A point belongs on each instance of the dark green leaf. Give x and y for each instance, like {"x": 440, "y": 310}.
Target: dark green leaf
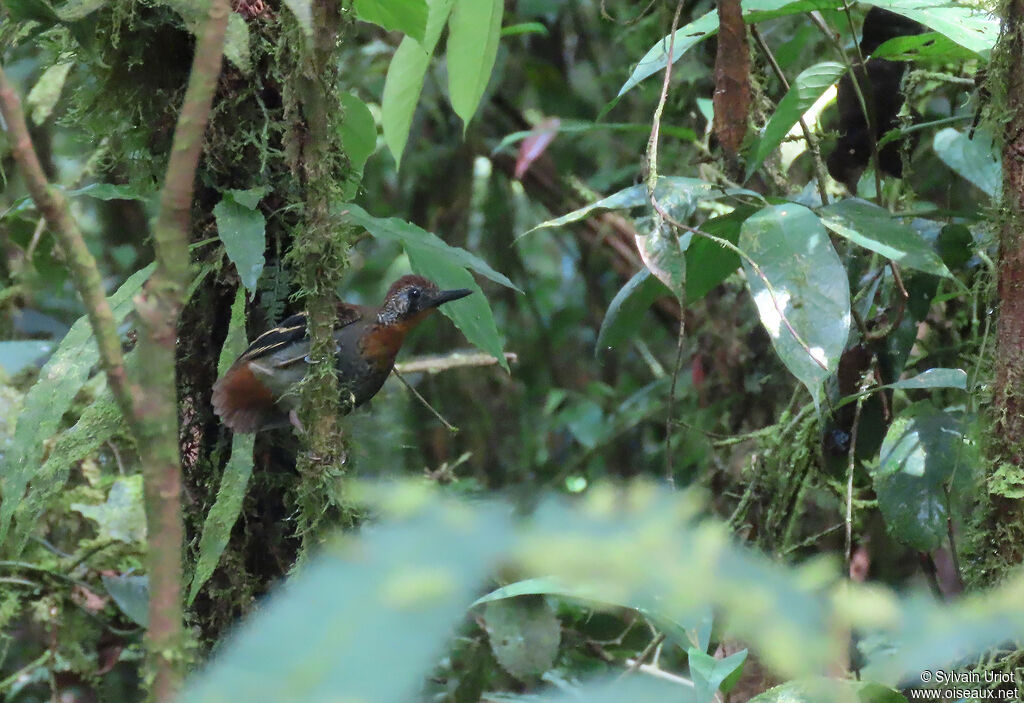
{"x": 875, "y": 229}
{"x": 709, "y": 263}
{"x": 474, "y": 31}
{"x": 810, "y": 85}
{"x": 955, "y": 245}
{"x": 31, "y": 10}
{"x": 809, "y": 290}
{"x": 524, "y": 634}
{"x": 976, "y": 159}
{"x": 406, "y": 16}
{"x": 923, "y": 450}
{"x": 242, "y": 229}
{"x": 625, "y": 313}
{"x": 131, "y": 593}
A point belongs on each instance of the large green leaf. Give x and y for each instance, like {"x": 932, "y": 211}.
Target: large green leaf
{"x": 970, "y": 27}
{"x": 874, "y": 228}
{"x": 975, "y": 159}
{"x": 810, "y": 85}
{"x": 923, "y": 454}
{"x": 366, "y": 619}
{"x": 405, "y": 79}
{"x": 625, "y": 313}
{"x": 46, "y": 92}
{"x": 358, "y": 131}
{"x": 51, "y": 396}
{"x": 524, "y": 634}
{"x": 473, "y": 34}
{"x": 243, "y": 230}
{"x": 406, "y": 16}
{"x": 448, "y": 267}
{"x": 930, "y": 46}
{"x": 131, "y": 594}
{"x": 809, "y": 290}
{"x": 235, "y": 479}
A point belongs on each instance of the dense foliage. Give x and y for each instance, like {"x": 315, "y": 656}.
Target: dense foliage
{"x": 714, "y": 422}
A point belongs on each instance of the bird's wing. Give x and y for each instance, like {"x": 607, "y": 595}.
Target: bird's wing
{"x": 293, "y": 330}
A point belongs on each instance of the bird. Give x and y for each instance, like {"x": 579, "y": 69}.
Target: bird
{"x": 257, "y": 391}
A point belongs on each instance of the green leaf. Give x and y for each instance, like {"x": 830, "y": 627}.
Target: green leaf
{"x": 100, "y": 420}
{"x": 110, "y": 191}
{"x": 235, "y": 479}
{"x": 131, "y": 593}
{"x": 15, "y": 356}
{"x": 51, "y": 396}
{"x": 393, "y": 595}
{"x": 303, "y": 12}
{"x": 874, "y": 228}
{"x": 708, "y": 673}
{"x": 524, "y": 634}
{"x": 922, "y": 47}
{"x": 923, "y": 449}
{"x": 976, "y": 159}
{"x": 709, "y": 263}
{"x": 46, "y": 92}
{"x": 971, "y": 28}
{"x": 405, "y": 79}
{"x": 31, "y": 10}
{"x": 955, "y": 245}
{"x": 810, "y": 85}
{"x": 236, "y": 43}
{"x": 447, "y": 267}
{"x": 625, "y": 313}
{"x": 358, "y": 131}
{"x": 225, "y": 511}
{"x": 121, "y": 517}
{"x": 243, "y": 231}
{"x": 74, "y": 10}
{"x": 474, "y": 31}
{"x": 677, "y": 194}
{"x": 406, "y": 16}
{"x": 664, "y": 256}
{"x": 811, "y": 291}
{"x": 514, "y": 30}
{"x": 822, "y": 690}
{"x": 935, "y": 378}
{"x": 655, "y": 60}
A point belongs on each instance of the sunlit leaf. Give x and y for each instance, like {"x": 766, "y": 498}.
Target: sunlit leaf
{"x": 923, "y": 449}
{"x": 121, "y": 517}
{"x": 875, "y": 229}
{"x": 921, "y": 47}
{"x": 302, "y": 10}
{"x": 935, "y": 378}
{"x": 46, "y": 92}
{"x": 474, "y": 31}
{"x": 236, "y": 43}
{"x": 406, "y": 16}
{"x": 809, "y": 290}
{"x": 970, "y": 27}
{"x": 709, "y": 673}
{"x": 810, "y": 85}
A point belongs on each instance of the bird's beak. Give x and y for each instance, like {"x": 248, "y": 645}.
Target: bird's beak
{"x": 447, "y": 296}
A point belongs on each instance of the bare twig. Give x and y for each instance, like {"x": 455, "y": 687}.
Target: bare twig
{"x": 852, "y": 460}
{"x": 458, "y": 360}
{"x": 450, "y": 427}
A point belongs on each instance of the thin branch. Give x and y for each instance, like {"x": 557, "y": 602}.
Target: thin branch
{"x": 84, "y": 271}
{"x": 458, "y": 360}
{"x": 852, "y": 460}
{"x": 652, "y": 182}
{"x": 450, "y": 427}
{"x": 812, "y": 142}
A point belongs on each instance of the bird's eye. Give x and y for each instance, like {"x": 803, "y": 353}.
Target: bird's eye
{"x": 414, "y": 293}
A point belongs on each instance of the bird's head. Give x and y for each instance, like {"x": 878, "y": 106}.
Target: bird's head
{"x": 411, "y": 298}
